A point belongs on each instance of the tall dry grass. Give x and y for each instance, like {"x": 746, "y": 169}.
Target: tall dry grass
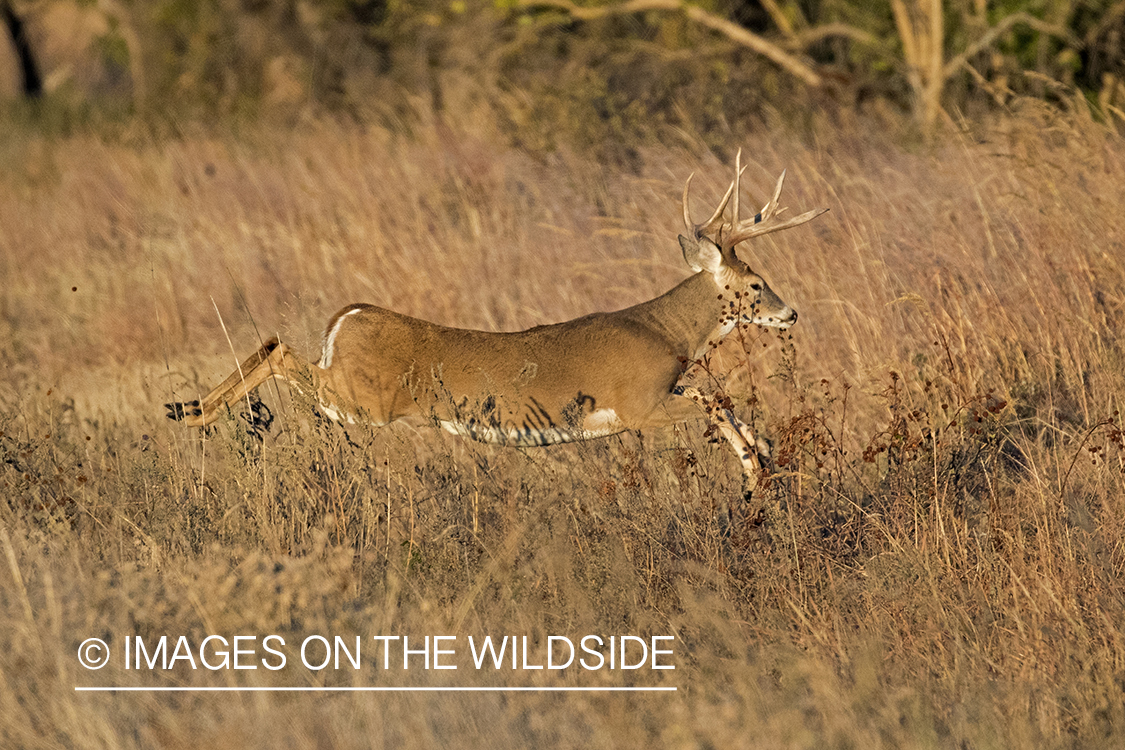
{"x": 934, "y": 562}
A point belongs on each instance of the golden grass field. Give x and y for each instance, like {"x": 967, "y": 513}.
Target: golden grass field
{"x": 936, "y": 562}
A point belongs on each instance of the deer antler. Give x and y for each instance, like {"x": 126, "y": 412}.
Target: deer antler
{"x": 698, "y": 230}
{"x": 764, "y": 222}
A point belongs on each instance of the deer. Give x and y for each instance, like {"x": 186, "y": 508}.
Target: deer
{"x": 586, "y": 378}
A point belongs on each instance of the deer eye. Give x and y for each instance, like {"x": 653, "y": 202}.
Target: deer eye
{"x": 756, "y": 287}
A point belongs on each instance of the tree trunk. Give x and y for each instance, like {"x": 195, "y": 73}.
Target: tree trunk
{"x": 31, "y": 80}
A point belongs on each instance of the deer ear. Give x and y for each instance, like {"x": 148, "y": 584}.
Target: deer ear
{"x": 691, "y": 253}
{"x": 701, "y": 254}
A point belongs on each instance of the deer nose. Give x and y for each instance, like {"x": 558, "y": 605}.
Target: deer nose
{"x": 787, "y": 318}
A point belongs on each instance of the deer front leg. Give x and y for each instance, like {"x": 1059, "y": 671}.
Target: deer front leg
{"x": 687, "y": 403}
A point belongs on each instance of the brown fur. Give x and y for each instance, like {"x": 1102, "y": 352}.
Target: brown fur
{"x": 583, "y": 378}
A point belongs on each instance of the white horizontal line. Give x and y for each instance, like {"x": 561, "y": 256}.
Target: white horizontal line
{"x": 134, "y": 689}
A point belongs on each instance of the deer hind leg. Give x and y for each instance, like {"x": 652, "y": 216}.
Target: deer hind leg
{"x": 272, "y": 360}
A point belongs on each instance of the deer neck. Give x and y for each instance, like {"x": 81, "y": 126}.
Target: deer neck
{"x": 688, "y": 316}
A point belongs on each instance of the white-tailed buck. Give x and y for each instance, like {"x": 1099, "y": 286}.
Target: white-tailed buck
{"x": 589, "y": 377}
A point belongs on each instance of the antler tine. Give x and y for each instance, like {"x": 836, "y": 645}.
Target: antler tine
{"x": 771, "y": 205}
{"x": 757, "y": 230}
{"x": 737, "y": 186}
{"x": 697, "y": 230}
{"x": 763, "y": 223}
{"x": 687, "y": 214}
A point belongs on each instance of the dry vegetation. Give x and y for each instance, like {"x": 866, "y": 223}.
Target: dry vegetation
{"x": 935, "y": 563}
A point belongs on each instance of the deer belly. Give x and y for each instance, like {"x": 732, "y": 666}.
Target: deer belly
{"x": 536, "y": 431}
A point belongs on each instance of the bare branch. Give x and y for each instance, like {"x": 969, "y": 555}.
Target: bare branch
{"x": 809, "y": 37}
{"x": 1111, "y": 17}
{"x": 989, "y": 37}
{"x": 782, "y": 20}
{"x": 906, "y": 33}
{"x": 731, "y": 30}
